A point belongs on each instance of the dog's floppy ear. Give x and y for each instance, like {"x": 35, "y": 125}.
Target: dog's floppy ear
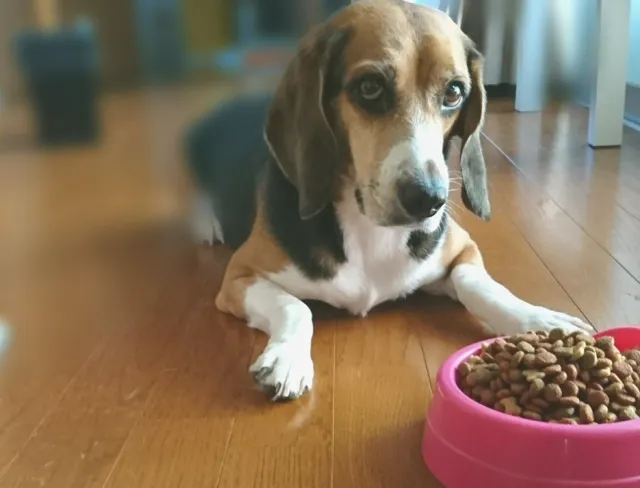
{"x": 475, "y": 194}
{"x": 302, "y": 125}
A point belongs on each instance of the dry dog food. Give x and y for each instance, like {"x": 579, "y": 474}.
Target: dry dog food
{"x": 555, "y": 377}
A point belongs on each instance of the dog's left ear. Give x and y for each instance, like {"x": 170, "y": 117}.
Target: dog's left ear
{"x": 301, "y": 127}
{"x": 475, "y": 194}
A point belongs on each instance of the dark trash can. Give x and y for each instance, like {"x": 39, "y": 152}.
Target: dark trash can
{"x": 61, "y": 71}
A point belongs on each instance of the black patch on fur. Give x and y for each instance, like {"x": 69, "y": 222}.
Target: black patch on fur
{"x": 358, "y": 195}
{"x": 226, "y": 155}
{"x": 311, "y": 244}
{"x": 422, "y": 244}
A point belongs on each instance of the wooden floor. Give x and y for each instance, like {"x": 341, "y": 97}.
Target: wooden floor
{"x": 116, "y": 370}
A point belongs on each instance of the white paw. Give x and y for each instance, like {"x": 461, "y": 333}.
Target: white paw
{"x": 284, "y": 371}
{"x": 540, "y": 318}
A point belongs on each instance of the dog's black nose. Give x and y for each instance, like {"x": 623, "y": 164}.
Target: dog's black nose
{"x": 420, "y": 199}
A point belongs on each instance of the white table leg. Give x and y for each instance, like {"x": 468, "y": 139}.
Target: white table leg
{"x": 531, "y": 56}
{"x": 608, "y": 88}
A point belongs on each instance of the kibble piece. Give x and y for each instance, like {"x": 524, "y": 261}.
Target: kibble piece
{"x": 517, "y": 358}
{"x": 487, "y": 358}
{"x": 633, "y": 390}
{"x": 464, "y": 369}
{"x": 613, "y": 353}
{"x": 526, "y": 347}
{"x": 563, "y": 412}
{"x": 610, "y": 418}
{"x": 553, "y": 370}
{"x": 529, "y": 360}
{"x": 634, "y": 355}
{"x": 515, "y": 375}
{"x": 615, "y": 407}
{"x": 625, "y": 400}
{"x": 560, "y": 378}
{"x": 532, "y": 408}
{"x": 504, "y": 356}
{"x": 540, "y": 403}
{"x": 570, "y": 389}
{"x": 568, "y": 421}
{"x": 557, "y": 335}
{"x": 531, "y": 415}
{"x": 571, "y": 401}
{"x": 605, "y": 342}
{"x": 596, "y": 398}
{"x": 502, "y": 394}
{"x": 585, "y": 376}
{"x": 552, "y": 393}
{"x": 487, "y": 397}
{"x": 581, "y": 386}
{"x": 578, "y": 350}
{"x": 628, "y": 413}
{"x": 572, "y": 371}
{"x": 519, "y": 388}
{"x": 604, "y": 363}
{"x": 532, "y": 375}
{"x": 512, "y": 348}
{"x": 563, "y": 352}
{"x": 587, "y": 339}
{"x": 614, "y": 389}
{"x": 586, "y": 414}
{"x": 589, "y": 360}
{"x": 511, "y": 406}
{"x": 536, "y": 387}
{"x": 601, "y": 373}
{"x": 622, "y": 369}
{"x": 600, "y": 413}
{"x": 545, "y": 358}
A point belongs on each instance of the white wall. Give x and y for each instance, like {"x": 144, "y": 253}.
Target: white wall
{"x": 633, "y": 77}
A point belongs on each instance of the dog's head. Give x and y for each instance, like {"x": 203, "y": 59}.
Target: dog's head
{"x": 374, "y": 95}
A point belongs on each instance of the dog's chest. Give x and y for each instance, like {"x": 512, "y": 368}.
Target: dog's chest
{"x": 379, "y": 268}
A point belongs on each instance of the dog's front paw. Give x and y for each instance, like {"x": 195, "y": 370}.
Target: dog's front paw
{"x": 540, "y": 318}
{"x": 284, "y": 371}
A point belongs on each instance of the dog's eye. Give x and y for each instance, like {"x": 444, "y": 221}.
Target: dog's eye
{"x": 374, "y": 93}
{"x": 370, "y": 89}
{"x": 453, "y": 95}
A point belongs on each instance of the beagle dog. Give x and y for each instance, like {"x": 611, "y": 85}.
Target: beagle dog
{"x": 335, "y": 188}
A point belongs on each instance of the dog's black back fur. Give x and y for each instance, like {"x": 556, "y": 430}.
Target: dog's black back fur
{"x": 226, "y": 153}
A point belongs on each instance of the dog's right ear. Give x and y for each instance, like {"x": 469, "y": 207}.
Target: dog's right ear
{"x": 302, "y": 123}
{"x": 475, "y": 194}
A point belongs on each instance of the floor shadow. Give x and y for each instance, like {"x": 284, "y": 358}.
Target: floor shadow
{"x": 394, "y": 459}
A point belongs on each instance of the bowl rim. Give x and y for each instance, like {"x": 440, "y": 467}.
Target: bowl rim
{"x": 448, "y": 383}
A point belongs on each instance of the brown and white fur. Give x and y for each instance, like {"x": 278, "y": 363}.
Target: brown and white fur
{"x": 349, "y": 202}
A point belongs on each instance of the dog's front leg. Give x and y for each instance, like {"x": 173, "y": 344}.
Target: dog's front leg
{"x": 501, "y": 310}
{"x": 284, "y": 370}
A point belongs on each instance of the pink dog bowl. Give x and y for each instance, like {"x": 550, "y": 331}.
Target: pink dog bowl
{"x": 469, "y": 445}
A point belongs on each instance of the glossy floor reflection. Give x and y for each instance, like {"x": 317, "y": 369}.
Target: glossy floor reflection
{"x": 116, "y": 369}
